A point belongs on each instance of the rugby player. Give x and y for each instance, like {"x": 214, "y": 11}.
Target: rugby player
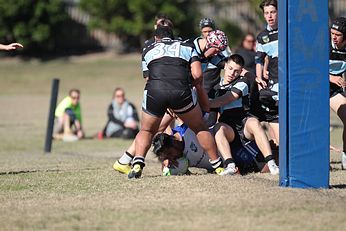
{"x": 171, "y": 63}
{"x": 265, "y": 102}
{"x": 337, "y": 67}
{"x": 181, "y": 150}
{"x": 211, "y": 58}
{"x": 232, "y": 99}
{"x": 214, "y": 42}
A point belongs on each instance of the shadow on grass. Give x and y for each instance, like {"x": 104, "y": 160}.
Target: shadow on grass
{"x": 338, "y": 186}
{"x": 44, "y": 170}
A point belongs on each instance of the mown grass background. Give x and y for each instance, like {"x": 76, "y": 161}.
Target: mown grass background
{"x": 75, "y": 187}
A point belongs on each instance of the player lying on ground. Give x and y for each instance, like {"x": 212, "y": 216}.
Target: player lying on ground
{"x": 181, "y": 150}
{"x": 232, "y": 98}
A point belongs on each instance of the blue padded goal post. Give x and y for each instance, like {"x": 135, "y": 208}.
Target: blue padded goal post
{"x": 304, "y": 93}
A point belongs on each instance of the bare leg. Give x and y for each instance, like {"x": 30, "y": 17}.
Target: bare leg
{"x": 274, "y": 127}
{"x": 269, "y": 131}
{"x": 254, "y": 131}
{"x": 149, "y": 126}
{"x": 122, "y": 164}
{"x": 194, "y": 121}
{"x": 80, "y": 132}
{"x": 66, "y": 121}
{"x": 165, "y": 122}
{"x": 132, "y": 148}
{"x": 224, "y": 135}
{"x": 338, "y": 105}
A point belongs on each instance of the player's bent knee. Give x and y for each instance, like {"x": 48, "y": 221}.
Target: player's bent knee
{"x": 253, "y": 123}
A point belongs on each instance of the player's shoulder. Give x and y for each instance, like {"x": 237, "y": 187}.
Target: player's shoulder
{"x": 148, "y": 46}
{"x": 189, "y": 43}
{"x": 261, "y": 37}
{"x": 243, "y": 79}
{"x": 148, "y": 42}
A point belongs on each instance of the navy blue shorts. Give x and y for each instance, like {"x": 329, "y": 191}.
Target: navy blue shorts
{"x": 71, "y": 115}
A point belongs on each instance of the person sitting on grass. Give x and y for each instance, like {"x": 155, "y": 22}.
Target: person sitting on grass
{"x": 69, "y": 118}
{"x": 122, "y": 118}
{"x": 232, "y": 102}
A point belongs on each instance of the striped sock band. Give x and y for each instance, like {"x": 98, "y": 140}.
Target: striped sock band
{"x": 269, "y": 158}
{"x": 216, "y": 163}
{"x": 138, "y": 160}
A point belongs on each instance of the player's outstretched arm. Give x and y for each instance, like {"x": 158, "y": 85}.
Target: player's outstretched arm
{"x": 10, "y": 47}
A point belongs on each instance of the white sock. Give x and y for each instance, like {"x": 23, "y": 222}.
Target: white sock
{"x": 126, "y": 158}
{"x": 231, "y": 165}
{"x": 343, "y": 160}
{"x": 271, "y": 163}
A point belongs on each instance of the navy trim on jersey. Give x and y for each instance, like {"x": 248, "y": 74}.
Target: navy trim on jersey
{"x": 169, "y": 59}
{"x": 267, "y": 45}
{"x": 337, "y": 60}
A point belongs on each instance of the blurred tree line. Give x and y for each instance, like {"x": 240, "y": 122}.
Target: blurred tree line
{"x": 44, "y": 27}
{"x": 36, "y": 24}
{"x": 41, "y": 25}
{"x": 133, "y": 20}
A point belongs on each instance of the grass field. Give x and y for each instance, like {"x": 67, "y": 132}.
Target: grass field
{"x": 75, "y": 187}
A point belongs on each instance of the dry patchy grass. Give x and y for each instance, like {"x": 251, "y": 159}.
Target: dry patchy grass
{"x": 75, "y": 188}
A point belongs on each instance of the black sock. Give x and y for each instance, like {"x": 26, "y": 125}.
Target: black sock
{"x": 269, "y": 158}
{"x": 138, "y": 160}
{"x": 228, "y": 161}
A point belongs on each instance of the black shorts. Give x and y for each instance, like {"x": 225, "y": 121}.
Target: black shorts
{"x": 238, "y": 129}
{"x": 334, "y": 90}
{"x": 237, "y": 124}
{"x": 262, "y": 105}
{"x": 156, "y": 102}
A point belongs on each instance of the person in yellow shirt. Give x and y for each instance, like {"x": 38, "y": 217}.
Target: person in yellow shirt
{"x": 69, "y": 118}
